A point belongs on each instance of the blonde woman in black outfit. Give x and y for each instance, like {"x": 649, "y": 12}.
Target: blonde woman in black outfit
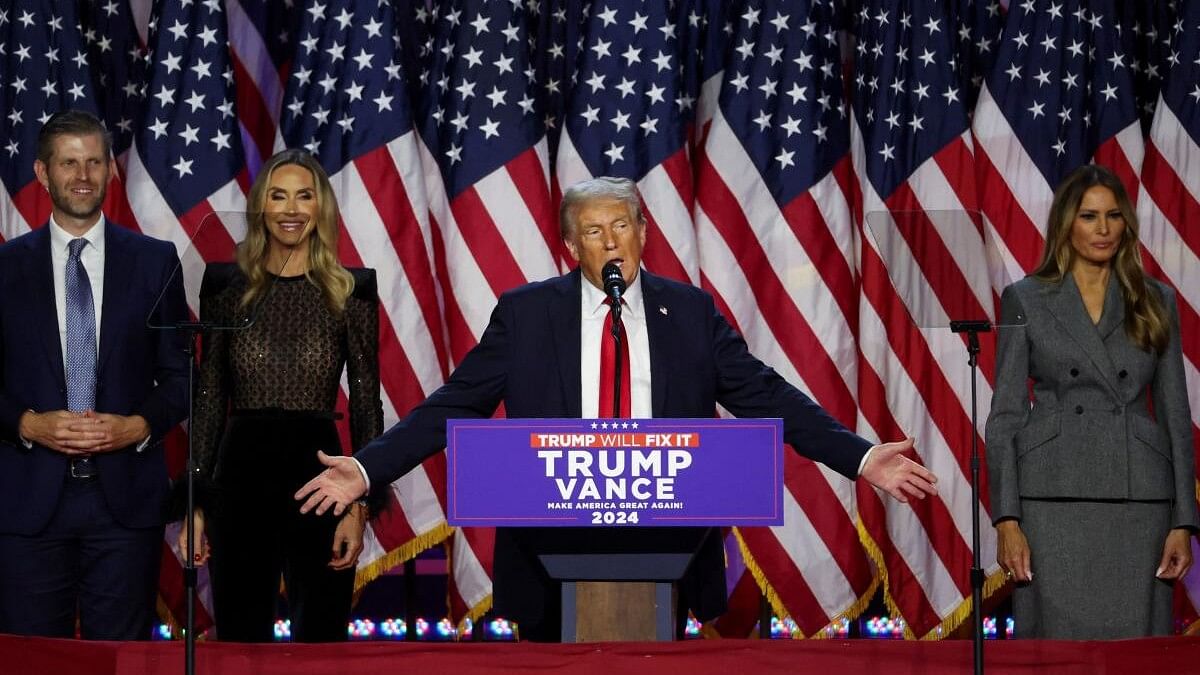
{"x": 265, "y": 405}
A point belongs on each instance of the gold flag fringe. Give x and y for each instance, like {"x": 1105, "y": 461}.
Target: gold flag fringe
{"x": 479, "y": 609}
{"x": 772, "y": 596}
{"x": 949, "y": 623}
{"x": 400, "y": 554}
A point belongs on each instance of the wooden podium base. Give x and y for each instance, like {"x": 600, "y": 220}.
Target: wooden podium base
{"x": 616, "y": 611}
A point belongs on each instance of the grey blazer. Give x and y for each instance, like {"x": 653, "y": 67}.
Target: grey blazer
{"x": 1089, "y": 433}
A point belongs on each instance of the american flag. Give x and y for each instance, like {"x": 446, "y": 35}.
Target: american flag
{"x": 260, "y": 44}
{"x": 911, "y": 149}
{"x": 448, "y": 128}
{"x": 1169, "y": 202}
{"x": 346, "y": 101}
{"x": 776, "y": 247}
{"x": 43, "y": 69}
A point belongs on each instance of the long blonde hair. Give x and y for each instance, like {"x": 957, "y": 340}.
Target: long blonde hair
{"x": 1146, "y": 321}
{"x": 324, "y": 270}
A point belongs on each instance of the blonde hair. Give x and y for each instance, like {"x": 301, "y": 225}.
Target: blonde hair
{"x": 1146, "y": 321}
{"x": 324, "y": 270}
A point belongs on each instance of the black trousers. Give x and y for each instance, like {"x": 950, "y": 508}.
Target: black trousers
{"x": 258, "y": 534}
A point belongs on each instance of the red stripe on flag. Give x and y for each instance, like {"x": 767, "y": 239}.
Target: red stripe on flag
{"x": 460, "y": 335}
{"x": 790, "y": 328}
{"x": 719, "y": 301}
{"x": 1111, "y": 154}
{"x": 489, "y": 248}
{"x": 658, "y": 255}
{"x": 527, "y": 175}
{"x": 206, "y": 232}
{"x": 252, "y": 109}
{"x": 1020, "y": 235}
{"x": 382, "y": 181}
{"x": 796, "y": 594}
{"x": 33, "y": 203}
{"x": 397, "y": 376}
{"x": 809, "y": 227}
{"x": 1172, "y": 198}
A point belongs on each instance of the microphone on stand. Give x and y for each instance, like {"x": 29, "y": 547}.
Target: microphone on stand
{"x": 614, "y": 287}
{"x": 613, "y": 282}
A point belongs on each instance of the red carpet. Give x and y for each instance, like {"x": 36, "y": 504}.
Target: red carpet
{"x": 38, "y": 656}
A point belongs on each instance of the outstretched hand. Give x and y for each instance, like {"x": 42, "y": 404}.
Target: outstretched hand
{"x": 889, "y": 470}
{"x": 336, "y": 487}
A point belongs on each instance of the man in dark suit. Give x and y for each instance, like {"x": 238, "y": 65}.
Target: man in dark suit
{"x": 87, "y": 391}
{"x": 542, "y": 355}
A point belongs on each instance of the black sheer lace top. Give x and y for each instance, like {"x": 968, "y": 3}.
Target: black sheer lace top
{"x": 289, "y": 359}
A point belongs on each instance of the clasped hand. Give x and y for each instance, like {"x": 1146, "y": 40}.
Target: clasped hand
{"x": 82, "y": 433}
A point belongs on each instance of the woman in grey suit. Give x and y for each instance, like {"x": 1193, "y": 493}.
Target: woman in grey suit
{"x": 1092, "y": 495}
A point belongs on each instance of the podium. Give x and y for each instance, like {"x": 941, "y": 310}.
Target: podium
{"x": 615, "y": 511}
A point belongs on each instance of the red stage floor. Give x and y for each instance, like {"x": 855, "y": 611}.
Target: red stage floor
{"x": 37, "y": 656}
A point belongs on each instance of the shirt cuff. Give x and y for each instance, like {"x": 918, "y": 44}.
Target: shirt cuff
{"x": 363, "y": 471}
{"x": 28, "y": 444}
{"x": 146, "y": 443}
{"x": 862, "y": 463}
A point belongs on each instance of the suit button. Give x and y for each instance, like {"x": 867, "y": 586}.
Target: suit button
{"x": 1074, "y": 372}
{"x": 1123, "y": 374}
{"x": 1078, "y": 410}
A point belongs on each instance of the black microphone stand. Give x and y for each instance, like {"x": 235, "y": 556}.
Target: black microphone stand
{"x": 973, "y": 329}
{"x": 615, "y": 308}
{"x": 194, "y": 329}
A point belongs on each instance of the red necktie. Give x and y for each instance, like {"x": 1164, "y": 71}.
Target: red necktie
{"x": 608, "y": 364}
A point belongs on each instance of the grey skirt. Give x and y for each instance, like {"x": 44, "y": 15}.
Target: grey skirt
{"x": 1093, "y": 570}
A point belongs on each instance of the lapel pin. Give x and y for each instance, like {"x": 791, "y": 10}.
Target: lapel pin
{"x": 662, "y": 309}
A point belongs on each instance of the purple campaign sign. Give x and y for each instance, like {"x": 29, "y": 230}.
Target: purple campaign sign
{"x": 572, "y": 472}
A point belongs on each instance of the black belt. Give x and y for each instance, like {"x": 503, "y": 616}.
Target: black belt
{"x": 82, "y": 468}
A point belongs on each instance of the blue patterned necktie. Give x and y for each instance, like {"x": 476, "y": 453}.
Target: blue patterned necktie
{"x": 81, "y": 333}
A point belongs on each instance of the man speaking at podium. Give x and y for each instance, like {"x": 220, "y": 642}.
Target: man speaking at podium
{"x": 548, "y": 352}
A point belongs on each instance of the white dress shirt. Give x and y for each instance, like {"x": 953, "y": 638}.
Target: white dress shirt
{"x": 594, "y": 310}
{"x": 92, "y": 258}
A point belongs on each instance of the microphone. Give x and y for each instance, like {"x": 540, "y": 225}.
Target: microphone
{"x": 614, "y": 283}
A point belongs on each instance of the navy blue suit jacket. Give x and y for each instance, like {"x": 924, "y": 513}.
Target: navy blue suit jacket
{"x": 528, "y": 358}
{"x": 140, "y": 370}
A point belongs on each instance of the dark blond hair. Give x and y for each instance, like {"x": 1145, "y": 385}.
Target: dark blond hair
{"x": 1146, "y": 321}
{"x": 324, "y": 270}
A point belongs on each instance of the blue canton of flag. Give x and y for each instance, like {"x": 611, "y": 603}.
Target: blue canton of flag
{"x": 118, "y": 61}
{"x": 347, "y": 92}
{"x": 1063, "y": 81}
{"x": 782, "y": 93}
{"x": 1146, "y": 30}
{"x": 43, "y": 69}
{"x": 979, "y": 24}
{"x": 1182, "y": 90}
{"x": 480, "y": 108}
{"x": 629, "y": 108}
{"x": 909, "y": 101}
{"x": 555, "y": 42}
{"x": 190, "y": 142}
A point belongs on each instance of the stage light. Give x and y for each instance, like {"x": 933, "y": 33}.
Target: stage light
{"x": 361, "y": 629}
{"x": 163, "y": 632}
{"x": 393, "y": 629}
{"x": 283, "y": 630}
{"x": 500, "y": 629}
{"x": 693, "y": 628}
{"x": 884, "y": 627}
